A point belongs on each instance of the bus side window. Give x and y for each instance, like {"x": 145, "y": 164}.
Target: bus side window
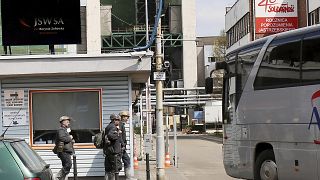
{"x": 245, "y": 63}
{"x": 280, "y": 66}
{"x": 311, "y": 60}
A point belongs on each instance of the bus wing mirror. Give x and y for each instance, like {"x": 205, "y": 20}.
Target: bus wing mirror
{"x": 209, "y": 85}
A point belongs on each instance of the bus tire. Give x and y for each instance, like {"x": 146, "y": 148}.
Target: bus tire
{"x": 265, "y": 166}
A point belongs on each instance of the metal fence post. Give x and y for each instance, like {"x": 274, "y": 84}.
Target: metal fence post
{"x": 147, "y": 166}
{"x": 75, "y": 171}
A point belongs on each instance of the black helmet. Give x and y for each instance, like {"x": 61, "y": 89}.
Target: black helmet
{"x": 114, "y": 117}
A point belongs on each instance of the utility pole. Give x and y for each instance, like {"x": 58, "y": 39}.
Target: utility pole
{"x": 159, "y": 105}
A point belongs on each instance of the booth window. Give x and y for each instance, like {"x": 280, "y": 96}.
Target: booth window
{"x": 83, "y": 106}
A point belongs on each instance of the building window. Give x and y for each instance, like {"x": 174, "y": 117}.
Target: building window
{"x": 239, "y": 30}
{"x": 311, "y": 60}
{"x": 47, "y": 106}
{"x": 314, "y": 17}
{"x": 318, "y": 15}
{"x": 280, "y": 66}
{"x": 212, "y": 59}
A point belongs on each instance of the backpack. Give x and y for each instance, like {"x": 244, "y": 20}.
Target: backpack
{"x": 98, "y": 140}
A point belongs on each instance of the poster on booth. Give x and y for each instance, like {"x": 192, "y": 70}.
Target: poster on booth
{"x": 275, "y": 16}
{"x": 13, "y": 98}
{"x": 14, "y": 117}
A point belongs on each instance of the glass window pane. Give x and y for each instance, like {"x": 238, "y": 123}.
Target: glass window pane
{"x": 29, "y": 158}
{"x": 48, "y": 107}
{"x": 280, "y": 66}
{"x": 9, "y": 169}
{"x": 311, "y": 60}
{"x": 245, "y": 64}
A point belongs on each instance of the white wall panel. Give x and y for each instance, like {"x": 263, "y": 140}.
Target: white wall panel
{"x": 237, "y": 11}
{"x": 115, "y": 97}
{"x": 313, "y": 4}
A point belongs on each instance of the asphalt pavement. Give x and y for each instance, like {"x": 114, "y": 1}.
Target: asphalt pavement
{"x": 199, "y": 157}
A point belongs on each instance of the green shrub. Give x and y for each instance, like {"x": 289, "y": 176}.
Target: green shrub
{"x": 137, "y": 130}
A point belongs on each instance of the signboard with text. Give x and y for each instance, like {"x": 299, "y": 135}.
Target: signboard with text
{"x": 275, "y": 16}
{"x": 159, "y": 76}
{"x": 40, "y": 22}
{"x": 14, "y": 117}
{"x": 13, "y": 98}
{"x": 148, "y": 143}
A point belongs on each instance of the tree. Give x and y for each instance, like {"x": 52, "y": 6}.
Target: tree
{"x": 220, "y": 46}
{"x": 219, "y": 50}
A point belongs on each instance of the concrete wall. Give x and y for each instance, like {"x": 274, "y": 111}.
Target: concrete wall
{"x": 93, "y": 27}
{"x": 237, "y": 11}
{"x": 303, "y": 13}
{"x": 175, "y": 19}
{"x": 205, "y": 49}
{"x": 313, "y": 4}
{"x": 201, "y": 67}
{"x": 105, "y": 12}
{"x": 208, "y": 52}
{"x": 241, "y": 42}
{"x": 82, "y": 48}
{"x": 189, "y": 47}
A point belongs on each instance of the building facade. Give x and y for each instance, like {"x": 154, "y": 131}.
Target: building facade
{"x": 78, "y": 81}
{"x": 313, "y": 12}
{"x": 248, "y": 20}
{"x": 206, "y": 56}
{"x": 37, "y": 90}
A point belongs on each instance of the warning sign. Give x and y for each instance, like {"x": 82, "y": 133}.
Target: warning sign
{"x": 14, "y": 117}
{"x": 159, "y": 76}
{"x": 13, "y": 98}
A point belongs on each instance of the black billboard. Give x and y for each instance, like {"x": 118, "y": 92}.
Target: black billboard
{"x": 40, "y": 22}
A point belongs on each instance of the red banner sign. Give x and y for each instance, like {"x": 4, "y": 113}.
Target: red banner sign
{"x": 275, "y": 16}
{"x": 271, "y": 25}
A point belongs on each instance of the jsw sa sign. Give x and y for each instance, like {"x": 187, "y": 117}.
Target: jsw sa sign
{"x": 274, "y": 16}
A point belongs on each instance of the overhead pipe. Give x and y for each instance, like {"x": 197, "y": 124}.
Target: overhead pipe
{"x": 185, "y": 103}
{"x": 187, "y": 96}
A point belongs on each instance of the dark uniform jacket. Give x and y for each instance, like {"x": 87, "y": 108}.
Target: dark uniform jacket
{"x": 124, "y": 135}
{"x": 115, "y": 137}
{"x": 64, "y": 136}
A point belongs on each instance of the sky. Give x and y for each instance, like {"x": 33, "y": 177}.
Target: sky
{"x": 210, "y": 16}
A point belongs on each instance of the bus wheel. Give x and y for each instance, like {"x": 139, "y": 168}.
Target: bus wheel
{"x": 265, "y": 166}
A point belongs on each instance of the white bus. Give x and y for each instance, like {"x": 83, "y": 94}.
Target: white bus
{"x": 271, "y": 107}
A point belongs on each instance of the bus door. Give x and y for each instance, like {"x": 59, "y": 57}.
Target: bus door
{"x": 229, "y": 97}
{"x": 231, "y": 156}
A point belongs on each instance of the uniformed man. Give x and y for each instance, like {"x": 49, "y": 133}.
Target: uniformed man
{"x": 64, "y": 147}
{"x": 113, "y": 148}
{"x": 125, "y": 157}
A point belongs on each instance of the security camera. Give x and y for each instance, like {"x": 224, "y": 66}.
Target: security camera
{"x": 166, "y": 64}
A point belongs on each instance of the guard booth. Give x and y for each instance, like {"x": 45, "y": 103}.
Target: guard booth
{"x": 37, "y": 90}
